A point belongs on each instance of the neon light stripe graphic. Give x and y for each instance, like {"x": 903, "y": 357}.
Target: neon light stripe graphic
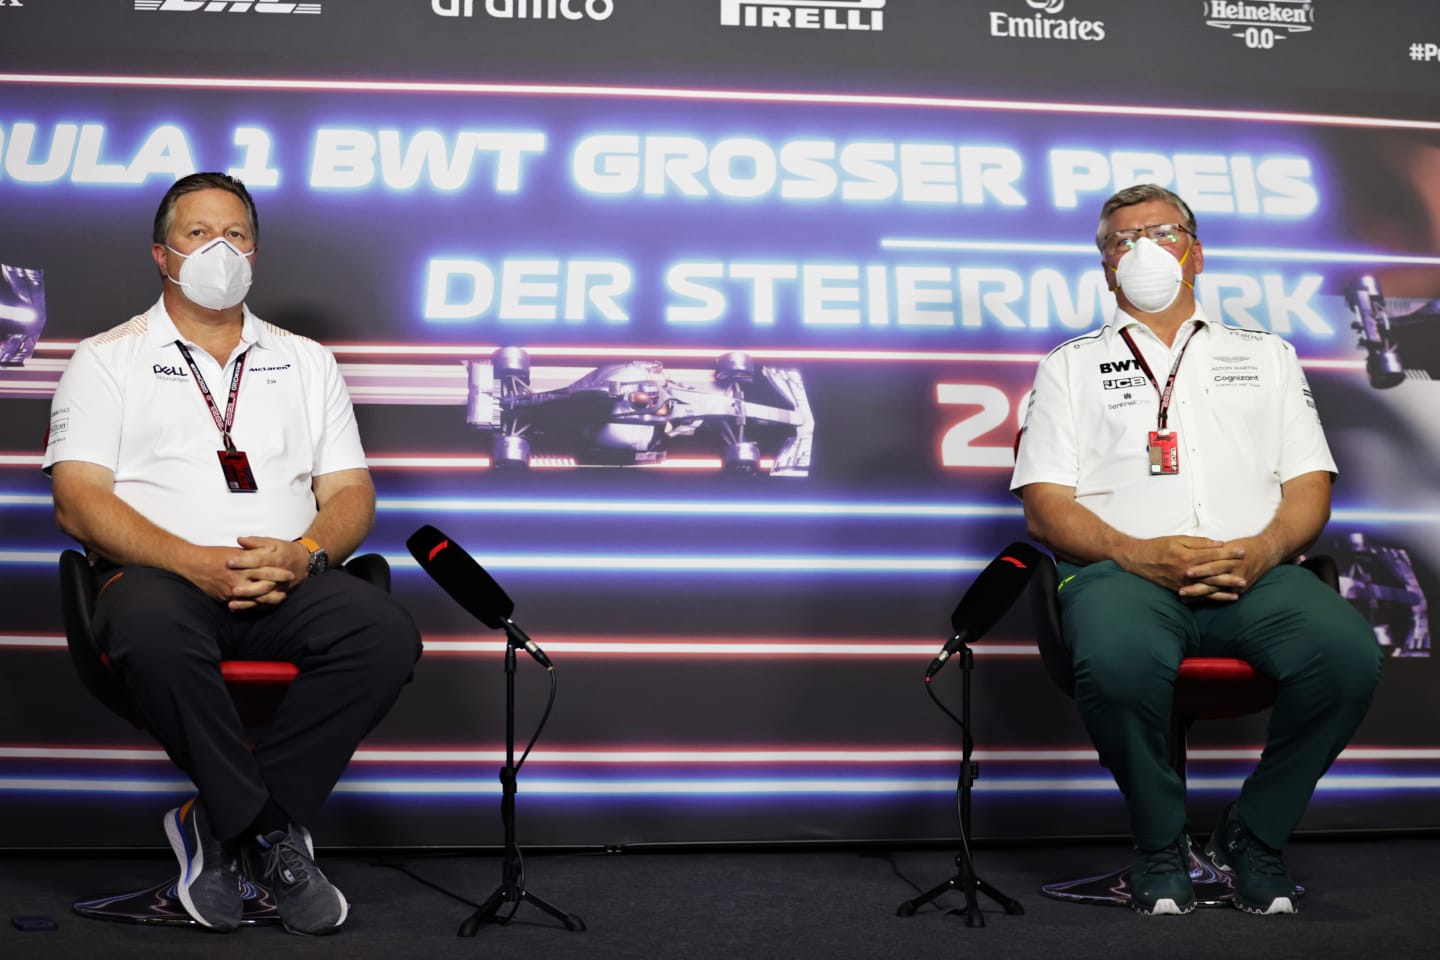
{"x": 721, "y": 508}
{"x": 700, "y": 789}
{"x": 696, "y": 508}
{"x": 544, "y": 463}
{"x": 25, "y": 500}
{"x": 819, "y": 648}
{"x": 307, "y": 85}
{"x": 448, "y": 353}
{"x": 1362, "y": 515}
{"x": 723, "y": 755}
{"x": 688, "y": 564}
{"x": 671, "y": 565}
{"x": 16, "y": 641}
{"x": 29, "y": 557}
{"x": 1249, "y": 253}
{"x": 828, "y": 649}
{"x": 610, "y": 351}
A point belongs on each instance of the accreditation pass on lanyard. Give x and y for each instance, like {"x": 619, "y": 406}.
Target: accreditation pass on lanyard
{"x": 1164, "y": 443}
{"x": 234, "y": 463}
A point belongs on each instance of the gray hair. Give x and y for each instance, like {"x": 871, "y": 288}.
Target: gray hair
{"x": 1142, "y": 193}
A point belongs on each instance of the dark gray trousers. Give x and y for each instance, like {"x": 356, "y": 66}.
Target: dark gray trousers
{"x": 355, "y": 647}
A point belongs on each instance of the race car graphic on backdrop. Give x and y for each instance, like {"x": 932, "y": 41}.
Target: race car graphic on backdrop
{"x": 634, "y": 412}
{"x": 1393, "y": 335}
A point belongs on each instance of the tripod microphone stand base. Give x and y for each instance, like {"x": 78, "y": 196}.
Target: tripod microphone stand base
{"x": 964, "y": 880}
{"x": 487, "y": 913}
{"x": 511, "y": 889}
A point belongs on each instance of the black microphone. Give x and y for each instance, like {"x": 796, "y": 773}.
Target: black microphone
{"x": 993, "y": 592}
{"x": 469, "y": 585}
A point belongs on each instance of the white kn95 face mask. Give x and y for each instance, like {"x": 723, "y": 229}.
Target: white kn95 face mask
{"x": 1149, "y": 277}
{"x": 216, "y": 276}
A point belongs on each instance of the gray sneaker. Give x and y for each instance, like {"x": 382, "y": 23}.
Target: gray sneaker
{"x": 209, "y": 882}
{"x": 308, "y": 903}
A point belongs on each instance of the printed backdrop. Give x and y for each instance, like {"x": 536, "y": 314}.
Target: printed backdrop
{"x": 874, "y": 216}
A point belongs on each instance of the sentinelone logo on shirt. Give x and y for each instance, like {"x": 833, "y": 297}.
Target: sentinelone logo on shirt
{"x": 1045, "y": 24}
{"x": 804, "y": 14}
{"x": 224, "y": 6}
{"x": 1261, "y": 24}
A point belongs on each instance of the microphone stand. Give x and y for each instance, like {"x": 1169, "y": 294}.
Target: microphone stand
{"x": 512, "y": 888}
{"x": 965, "y": 878}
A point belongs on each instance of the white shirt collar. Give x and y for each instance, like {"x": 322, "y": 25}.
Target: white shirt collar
{"x": 160, "y": 328}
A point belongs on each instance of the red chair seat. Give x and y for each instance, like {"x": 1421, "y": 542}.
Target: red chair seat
{"x": 258, "y": 672}
{"x": 1210, "y": 688}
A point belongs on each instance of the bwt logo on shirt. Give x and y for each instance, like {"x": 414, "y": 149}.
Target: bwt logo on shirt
{"x": 1119, "y": 366}
{"x": 804, "y": 14}
{"x": 224, "y": 6}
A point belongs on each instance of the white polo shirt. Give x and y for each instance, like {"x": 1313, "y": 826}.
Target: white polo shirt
{"x": 128, "y": 402}
{"x": 1242, "y": 410}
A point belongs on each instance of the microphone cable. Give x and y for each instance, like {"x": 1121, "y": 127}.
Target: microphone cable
{"x": 967, "y": 747}
{"x": 539, "y": 729}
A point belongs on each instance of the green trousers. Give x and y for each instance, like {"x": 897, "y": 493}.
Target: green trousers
{"x": 1129, "y": 635}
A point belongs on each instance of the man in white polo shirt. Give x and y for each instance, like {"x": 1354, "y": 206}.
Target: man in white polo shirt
{"x": 211, "y": 465}
{"x": 1175, "y": 465}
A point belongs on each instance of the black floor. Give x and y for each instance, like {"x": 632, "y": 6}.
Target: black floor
{"x": 1366, "y": 897}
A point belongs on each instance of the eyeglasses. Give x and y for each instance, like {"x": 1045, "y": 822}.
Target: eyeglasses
{"x": 1164, "y": 234}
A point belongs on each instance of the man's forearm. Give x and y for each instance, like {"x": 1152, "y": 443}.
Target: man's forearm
{"x": 1303, "y": 512}
{"x": 113, "y": 529}
{"x": 344, "y": 521}
{"x": 1072, "y": 531}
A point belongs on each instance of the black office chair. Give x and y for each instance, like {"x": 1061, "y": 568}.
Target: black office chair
{"x": 1208, "y": 688}
{"x": 256, "y": 686}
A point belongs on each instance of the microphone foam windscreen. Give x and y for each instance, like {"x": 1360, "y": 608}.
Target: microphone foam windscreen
{"x": 459, "y": 575}
{"x": 997, "y": 587}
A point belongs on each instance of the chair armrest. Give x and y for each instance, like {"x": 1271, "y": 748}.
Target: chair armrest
{"x": 1045, "y": 612}
{"x": 77, "y": 606}
{"x": 371, "y": 567}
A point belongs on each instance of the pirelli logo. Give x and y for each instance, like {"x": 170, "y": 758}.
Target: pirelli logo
{"x": 804, "y": 14}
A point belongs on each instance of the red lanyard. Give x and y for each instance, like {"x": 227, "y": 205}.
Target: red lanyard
{"x": 228, "y": 420}
{"x": 1165, "y": 395}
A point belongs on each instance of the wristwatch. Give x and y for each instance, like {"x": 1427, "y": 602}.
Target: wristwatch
{"x": 319, "y": 559}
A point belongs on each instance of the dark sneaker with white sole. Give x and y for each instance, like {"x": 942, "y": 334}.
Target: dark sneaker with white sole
{"x": 1160, "y": 881}
{"x": 209, "y": 883}
{"x": 307, "y": 902}
{"x": 1262, "y": 884}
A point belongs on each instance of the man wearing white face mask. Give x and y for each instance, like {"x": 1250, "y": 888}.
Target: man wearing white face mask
{"x": 211, "y": 465}
{"x": 1174, "y": 465}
